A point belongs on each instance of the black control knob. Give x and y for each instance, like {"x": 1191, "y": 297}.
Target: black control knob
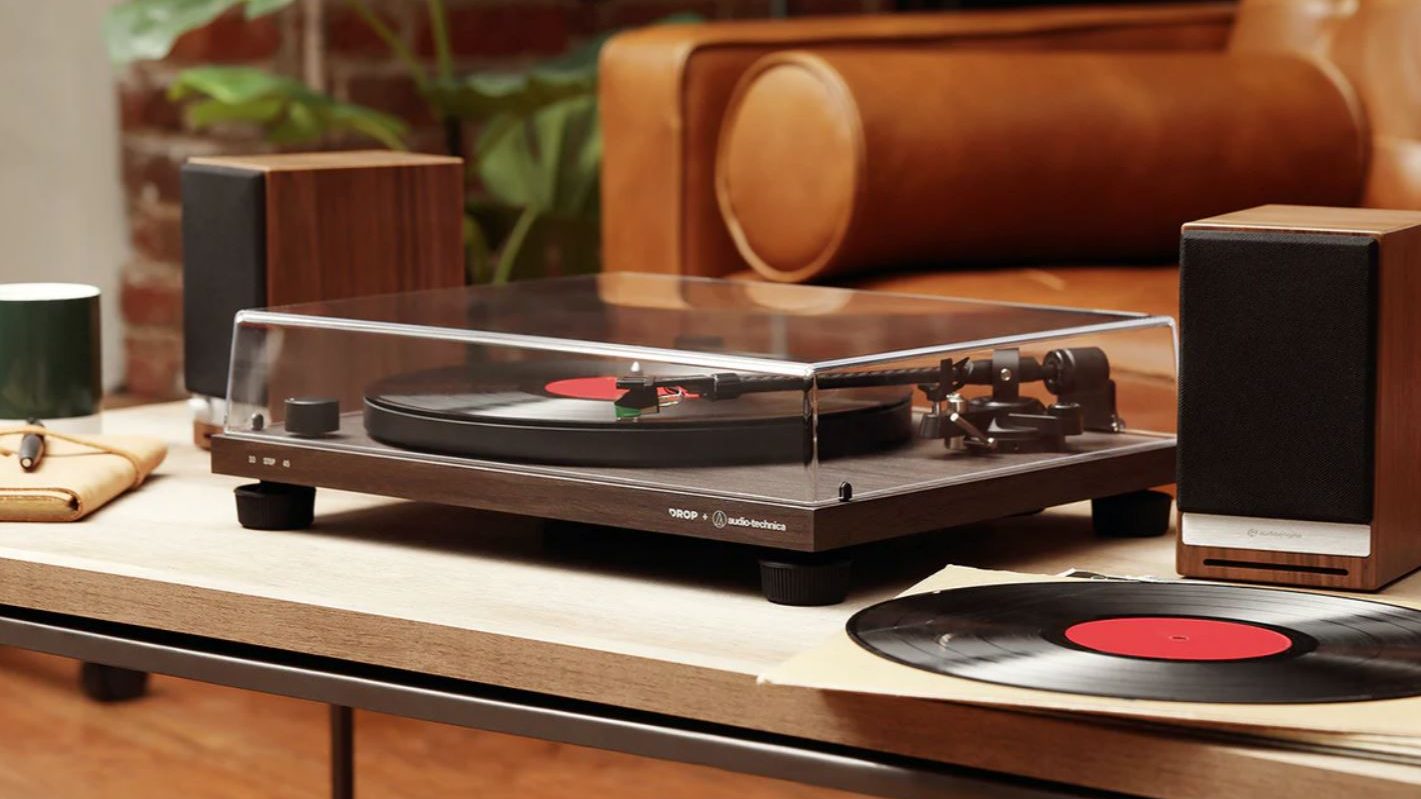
{"x": 312, "y": 416}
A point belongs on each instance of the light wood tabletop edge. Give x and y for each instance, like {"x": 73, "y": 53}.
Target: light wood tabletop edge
{"x": 1079, "y": 751}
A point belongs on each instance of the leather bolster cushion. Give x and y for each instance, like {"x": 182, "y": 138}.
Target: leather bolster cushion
{"x": 846, "y": 160}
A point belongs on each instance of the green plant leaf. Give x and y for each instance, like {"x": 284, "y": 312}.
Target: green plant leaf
{"x": 538, "y": 156}
{"x": 479, "y": 255}
{"x": 146, "y": 29}
{"x": 376, "y": 125}
{"x": 547, "y": 164}
{"x": 581, "y": 162}
{"x": 579, "y": 59}
{"x": 299, "y": 125}
{"x": 234, "y": 85}
{"x": 508, "y": 167}
{"x": 586, "y": 166}
{"x": 287, "y": 110}
{"x": 491, "y": 137}
{"x": 485, "y": 95}
{"x": 203, "y": 113}
{"x": 141, "y": 29}
{"x": 549, "y": 158}
{"x": 513, "y": 248}
{"x": 568, "y": 141}
{"x": 258, "y": 8}
{"x": 549, "y": 127}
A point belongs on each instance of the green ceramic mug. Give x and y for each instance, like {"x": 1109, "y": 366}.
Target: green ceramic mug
{"x": 50, "y": 363}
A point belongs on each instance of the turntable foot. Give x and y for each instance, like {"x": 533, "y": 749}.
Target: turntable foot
{"x": 1138, "y": 514}
{"x": 789, "y": 578}
{"x": 275, "y": 506}
{"x": 111, "y": 683}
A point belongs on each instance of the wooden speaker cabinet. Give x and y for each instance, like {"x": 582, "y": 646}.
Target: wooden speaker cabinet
{"x": 1300, "y": 396}
{"x": 281, "y": 229}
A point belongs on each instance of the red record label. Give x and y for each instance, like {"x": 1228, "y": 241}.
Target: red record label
{"x": 589, "y": 388}
{"x": 594, "y": 388}
{"x": 1178, "y": 638}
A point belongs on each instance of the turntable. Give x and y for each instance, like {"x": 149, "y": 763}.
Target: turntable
{"x": 802, "y": 421}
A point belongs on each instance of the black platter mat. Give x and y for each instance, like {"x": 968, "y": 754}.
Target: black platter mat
{"x": 506, "y": 412}
{"x": 1338, "y": 649}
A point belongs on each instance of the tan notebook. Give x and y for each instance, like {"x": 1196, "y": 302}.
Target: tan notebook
{"x": 76, "y": 476}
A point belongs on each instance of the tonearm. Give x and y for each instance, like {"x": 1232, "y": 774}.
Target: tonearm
{"x": 1003, "y": 421}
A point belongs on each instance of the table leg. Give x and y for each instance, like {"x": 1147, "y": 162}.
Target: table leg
{"x": 103, "y": 683}
{"x": 342, "y": 752}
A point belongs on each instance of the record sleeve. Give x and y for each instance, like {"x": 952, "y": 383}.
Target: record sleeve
{"x": 1174, "y": 640}
{"x": 841, "y": 664}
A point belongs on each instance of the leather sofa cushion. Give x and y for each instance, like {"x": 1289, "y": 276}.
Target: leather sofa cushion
{"x": 1376, "y": 46}
{"x": 1150, "y": 289}
{"x": 663, "y": 90}
{"x": 845, "y": 160}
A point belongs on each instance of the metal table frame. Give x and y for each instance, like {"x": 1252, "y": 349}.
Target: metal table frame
{"x": 346, "y": 684}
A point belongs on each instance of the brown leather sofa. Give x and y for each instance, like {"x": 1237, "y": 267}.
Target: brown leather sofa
{"x": 665, "y": 93}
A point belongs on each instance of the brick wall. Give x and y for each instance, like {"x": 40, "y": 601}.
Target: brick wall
{"x": 153, "y": 147}
{"x": 356, "y": 66}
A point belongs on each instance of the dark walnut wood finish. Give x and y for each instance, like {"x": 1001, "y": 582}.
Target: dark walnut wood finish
{"x": 399, "y": 216}
{"x": 351, "y": 224}
{"x": 881, "y": 508}
{"x": 1396, "y": 522}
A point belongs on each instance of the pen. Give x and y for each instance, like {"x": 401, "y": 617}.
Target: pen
{"x": 31, "y": 448}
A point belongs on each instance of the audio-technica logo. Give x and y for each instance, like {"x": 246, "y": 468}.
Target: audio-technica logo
{"x": 722, "y": 520}
{"x": 756, "y": 524}
{"x": 1254, "y": 532}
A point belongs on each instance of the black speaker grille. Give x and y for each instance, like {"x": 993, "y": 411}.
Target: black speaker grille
{"x": 224, "y": 266}
{"x": 1277, "y": 375}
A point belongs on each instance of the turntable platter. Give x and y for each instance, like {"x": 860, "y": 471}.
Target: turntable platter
{"x": 565, "y": 412}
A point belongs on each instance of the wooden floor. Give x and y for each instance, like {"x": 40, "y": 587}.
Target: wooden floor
{"x": 195, "y": 740}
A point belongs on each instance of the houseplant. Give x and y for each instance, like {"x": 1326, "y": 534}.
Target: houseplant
{"x": 532, "y": 170}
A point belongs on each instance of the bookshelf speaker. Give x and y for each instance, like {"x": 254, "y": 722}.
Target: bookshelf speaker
{"x": 1300, "y": 396}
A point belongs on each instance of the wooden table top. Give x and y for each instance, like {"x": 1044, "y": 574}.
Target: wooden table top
{"x": 640, "y": 621}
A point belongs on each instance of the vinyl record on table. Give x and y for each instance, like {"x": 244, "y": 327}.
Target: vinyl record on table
{"x": 1181, "y": 642}
{"x": 562, "y": 412}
